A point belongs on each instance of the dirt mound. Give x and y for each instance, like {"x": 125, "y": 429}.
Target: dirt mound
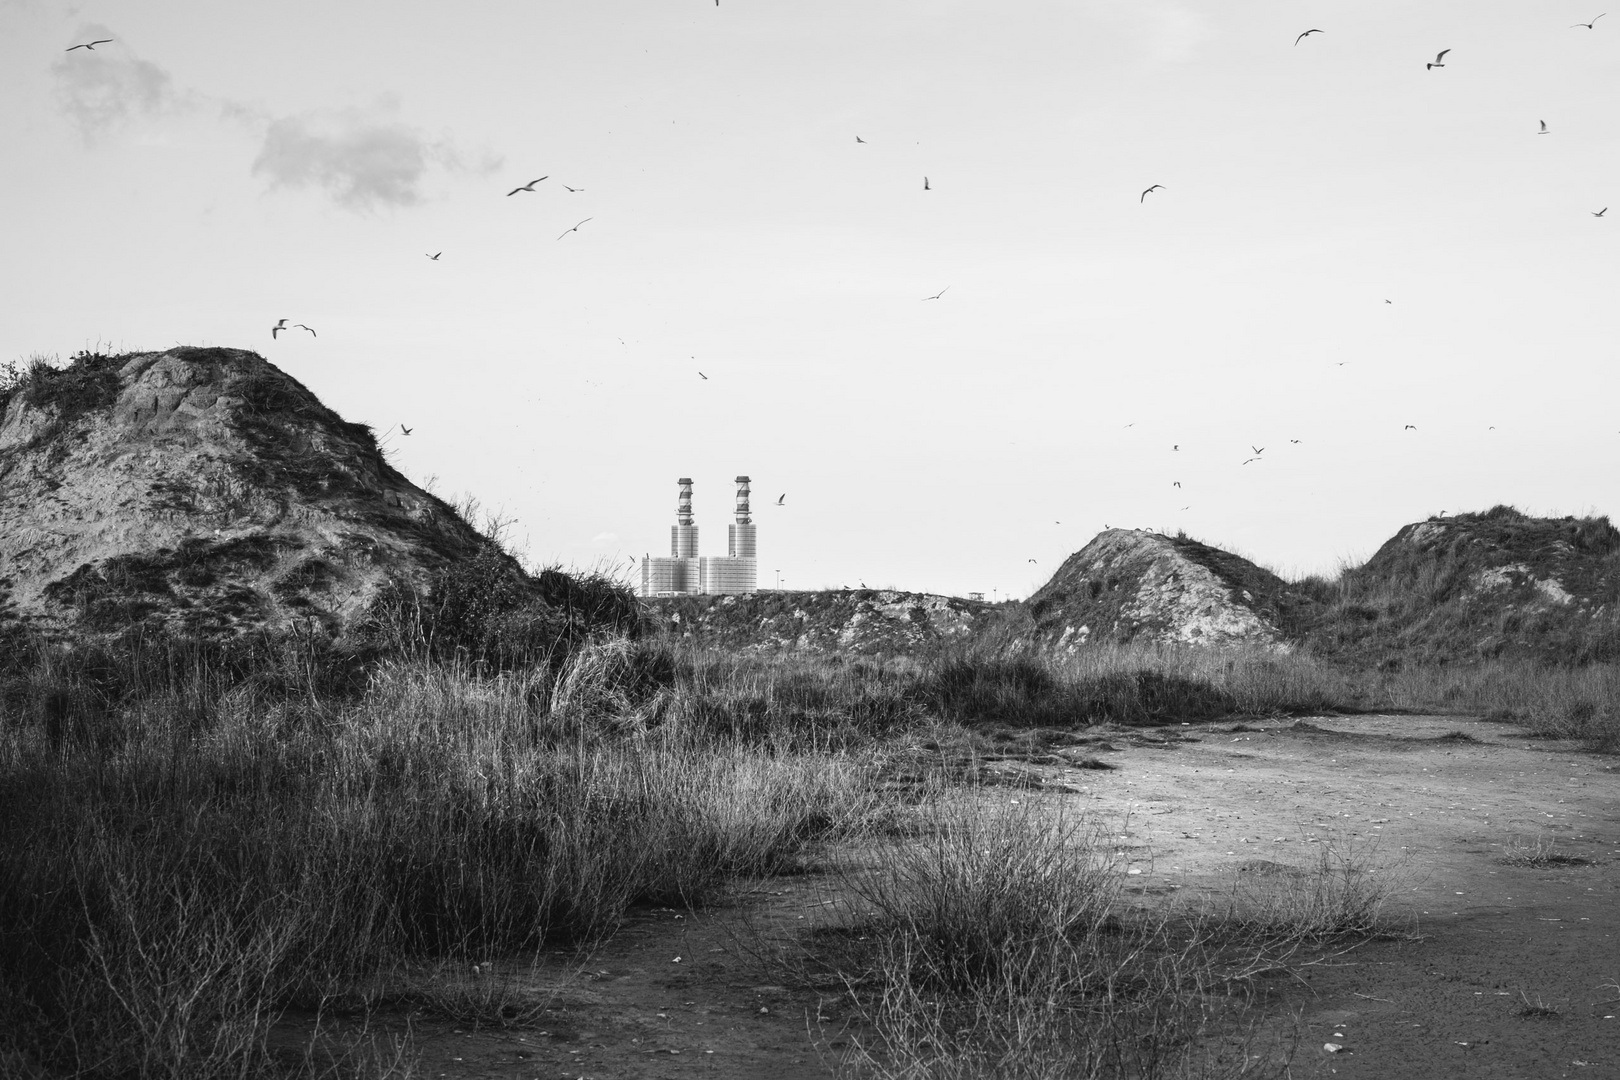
{"x": 1127, "y": 585}
{"x": 1481, "y": 585}
{"x": 201, "y": 491}
{"x": 854, "y": 621}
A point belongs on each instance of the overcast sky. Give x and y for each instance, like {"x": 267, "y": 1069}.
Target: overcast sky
{"x": 218, "y": 166}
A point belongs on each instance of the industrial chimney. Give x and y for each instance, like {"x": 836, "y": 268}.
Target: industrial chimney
{"x": 740, "y": 537}
{"x": 683, "y": 536}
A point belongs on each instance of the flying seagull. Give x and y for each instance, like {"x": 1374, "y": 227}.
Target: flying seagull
{"x": 1441, "y": 55}
{"x": 301, "y": 326}
{"x": 1389, "y": 301}
{"x": 1176, "y": 483}
{"x": 1588, "y": 25}
{"x": 1599, "y": 213}
{"x": 567, "y": 188}
{"x": 91, "y": 45}
{"x": 925, "y": 184}
{"x": 781, "y": 499}
{"x": 526, "y": 187}
{"x": 1258, "y": 450}
{"x": 939, "y": 294}
{"x": 435, "y": 258}
{"x": 1543, "y": 130}
{"x": 281, "y": 325}
{"x": 1032, "y": 560}
{"x": 1155, "y": 187}
{"x": 575, "y": 228}
{"x": 1294, "y": 441}
{"x": 859, "y": 139}
{"x": 405, "y": 429}
{"x": 1409, "y": 427}
{"x": 1176, "y": 447}
{"x": 1305, "y": 35}
{"x": 1251, "y": 459}
{"x": 705, "y": 377}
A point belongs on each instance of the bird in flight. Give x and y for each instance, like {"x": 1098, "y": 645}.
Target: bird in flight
{"x": 405, "y": 429}
{"x": 1389, "y": 301}
{"x": 435, "y": 258}
{"x": 1294, "y": 441}
{"x": 859, "y": 139}
{"x": 1032, "y": 560}
{"x": 781, "y": 499}
{"x": 1176, "y": 447}
{"x": 1441, "y": 55}
{"x": 281, "y": 324}
{"x": 925, "y": 184}
{"x": 1599, "y": 213}
{"x": 91, "y": 45}
{"x": 1588, "y": 25}
{"x": 939, "y": 294}
{"x": 705, "y": 377}
{"x": 1305, "y": 35}
{"x": 1543, "y": 130}
{"x": 1258, "y": 450}
{"x": 526, "y": 187}
{"x": 1409, "y": 427}
{"x": 1176, "y": 483}
{"x": 1251, "y": 459}
{"x": 575, "y": 228}
{"x": 301, "y": 326}
{"x": 567, "y": 188}
{"x": 1145, "y": 194}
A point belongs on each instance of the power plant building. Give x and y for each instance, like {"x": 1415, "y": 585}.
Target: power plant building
{"x": 686, "y": 572}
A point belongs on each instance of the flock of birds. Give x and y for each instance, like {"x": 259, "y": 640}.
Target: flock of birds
{"x": 1439, "y": 61}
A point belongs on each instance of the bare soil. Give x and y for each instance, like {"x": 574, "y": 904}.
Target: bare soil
{"x": 1505, "y": 963}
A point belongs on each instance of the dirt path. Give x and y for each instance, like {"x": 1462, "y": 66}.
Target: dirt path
{"x": 1504, "y": 975}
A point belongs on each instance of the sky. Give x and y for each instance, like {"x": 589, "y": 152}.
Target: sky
{"x": 1365, "y": 291}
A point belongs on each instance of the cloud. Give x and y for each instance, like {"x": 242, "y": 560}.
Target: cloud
{"x": 362, "y": 158}
{"x": 102, "y": 88}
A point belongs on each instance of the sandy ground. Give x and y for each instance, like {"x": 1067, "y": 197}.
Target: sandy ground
{"x": 1502, "y": 970}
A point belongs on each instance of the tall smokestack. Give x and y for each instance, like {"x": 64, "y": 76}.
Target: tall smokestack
{"x": 683, "y": 508}
{"x": 740, "y": 538}
{"x": 683, "y": 536}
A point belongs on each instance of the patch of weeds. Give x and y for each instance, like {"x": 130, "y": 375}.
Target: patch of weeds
{"x": 1538, "y": 1011}
{"x": 87, "y": 384}
{"x": 1540, "y": 852}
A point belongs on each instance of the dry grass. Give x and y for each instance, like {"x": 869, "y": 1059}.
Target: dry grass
{"x": 998, "y": 940}
{"x": 163, "y": 900}
{"x": 1539, "y": 853}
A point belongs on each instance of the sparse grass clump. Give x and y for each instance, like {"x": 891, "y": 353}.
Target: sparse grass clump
{"x": 999, "y": 941}
{"x": 1539, "y": 853}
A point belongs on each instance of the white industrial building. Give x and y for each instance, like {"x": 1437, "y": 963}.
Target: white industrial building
{"x": 685, "y": 571}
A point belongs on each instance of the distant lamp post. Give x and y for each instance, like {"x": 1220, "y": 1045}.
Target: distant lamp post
{"x": 779, "y": 581}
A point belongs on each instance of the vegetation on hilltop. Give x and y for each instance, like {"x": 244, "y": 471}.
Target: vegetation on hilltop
{"x": 1476, "y": 587}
